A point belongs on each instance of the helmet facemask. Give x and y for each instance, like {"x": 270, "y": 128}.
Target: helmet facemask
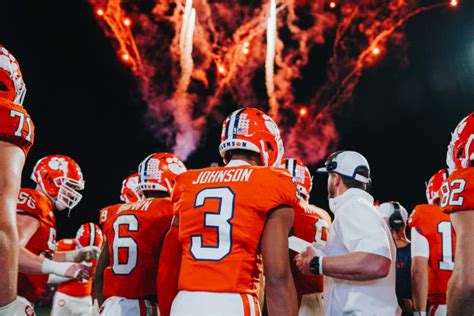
{"x": 68, "y": 195}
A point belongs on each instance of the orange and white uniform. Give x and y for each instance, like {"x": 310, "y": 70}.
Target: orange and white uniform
{"x": 311, "y": 224}
{"x": 433, "y": 237}
{"x": 134, "y": 234}
{"x": 222, "y": 214}
{"x": 72, "y": 297}
{"x": 16, "y": 126}
{"x": 35, "y": 204}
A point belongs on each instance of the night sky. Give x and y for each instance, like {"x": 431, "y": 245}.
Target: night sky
{"x": 85, "y": 104}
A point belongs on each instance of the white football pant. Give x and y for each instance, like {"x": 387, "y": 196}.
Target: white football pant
{"x": 66, "y": 305}
{"x": 437, "y": 310}
{"x": 121, "y": 306}
{"x": 24, "y": 307}
{"x": 311, "y": 305}
{"x": 189, "y": 303}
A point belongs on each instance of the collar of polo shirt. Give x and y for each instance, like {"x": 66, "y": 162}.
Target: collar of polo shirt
{"x": 351, "y": 194}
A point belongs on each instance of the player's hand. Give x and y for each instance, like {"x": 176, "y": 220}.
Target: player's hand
{"x": 79, "y": 271}
{"x": 88, "y": 253}
{"x": 303, "y": 259}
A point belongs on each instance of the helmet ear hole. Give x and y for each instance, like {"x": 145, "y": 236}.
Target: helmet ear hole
{"x": 3, "y": 87}
{"x": 269, "y": 146}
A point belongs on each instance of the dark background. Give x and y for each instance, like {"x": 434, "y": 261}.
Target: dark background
{"x": 84, "y": 103}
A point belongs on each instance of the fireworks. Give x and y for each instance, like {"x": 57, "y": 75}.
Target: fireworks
{"x": 190, "y": 56}
{"x": 303, "y": 111}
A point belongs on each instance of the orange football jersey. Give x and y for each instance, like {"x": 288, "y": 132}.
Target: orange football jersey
{"x": 311, "y": 223}
{"x": 135, "y": 234}
{"x": 222, "y": 213}
{"x": 35, "y": 204}
{"x": 457, "y": 192}
{"x": 436, "y": 227}
{"x": 75, "y": 288}
{"x": 16, "y": 126}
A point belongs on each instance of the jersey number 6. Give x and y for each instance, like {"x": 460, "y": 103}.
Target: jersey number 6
{"x": 124, "y": 267}
{"x": 219, "y": 220}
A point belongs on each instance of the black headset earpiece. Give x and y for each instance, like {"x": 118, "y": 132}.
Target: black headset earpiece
{"x": 395, "y": 220}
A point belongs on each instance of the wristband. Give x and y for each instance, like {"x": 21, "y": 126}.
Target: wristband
{"x": 420, "y": 313}
{"x": 321, "y": 265}
{"x": 58, "y": 268}
{"x": 72, "y": 255}
{"x": 316, "y": 265}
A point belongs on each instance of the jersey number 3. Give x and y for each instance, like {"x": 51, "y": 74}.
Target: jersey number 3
{"x": 219, "y": 220}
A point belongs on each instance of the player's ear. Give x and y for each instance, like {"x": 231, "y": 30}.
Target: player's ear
{"x": 336, "y": 179}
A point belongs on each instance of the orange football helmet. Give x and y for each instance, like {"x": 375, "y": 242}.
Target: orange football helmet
{"x": 301, "y": 176}
{"x": 129, "y": 192}
{"x": 253, "y": 130}
{"x": 60, "y": 178}
{"x": 461, "y": 149}
{"x": 434, "y": 185}
{"x": 89, "y": 234}
{"x": 158, "y": 172}
{"x": 12, "y": 86}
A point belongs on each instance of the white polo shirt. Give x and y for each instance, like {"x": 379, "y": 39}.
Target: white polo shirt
{"x": 358, "y": 227}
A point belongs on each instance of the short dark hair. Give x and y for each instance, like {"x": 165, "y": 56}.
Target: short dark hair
{"x": 246, "y": 153}
{"x": 351, "y": 183}
{"x": 156, "y": 194}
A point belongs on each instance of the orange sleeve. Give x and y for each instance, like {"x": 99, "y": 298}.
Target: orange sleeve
{"x": 415, "y": 219}
{"x": 168, "y": 271}
{"x": 16, "y": 126}
{"x": 285, "y": 188}
{"x": 176, "y": 195}
{"x": 27, "y": 204}
{"x": 66, "y": 244}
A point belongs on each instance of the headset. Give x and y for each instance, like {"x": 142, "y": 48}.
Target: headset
{"x": 395, "y": 220}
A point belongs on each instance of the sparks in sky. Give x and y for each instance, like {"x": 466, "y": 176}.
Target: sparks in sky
{"x": 190, "y": 56}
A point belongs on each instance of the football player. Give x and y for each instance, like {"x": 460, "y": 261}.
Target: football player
{"x": 128, "y": 194}
{"x": 74, "y": 298}
{"x": 16, "y": 139}
{"x": 58, "y": 179}
{"x": 126, "y": 271}
{"x": 311, "y": 224}
{"x": 432, "y": 249}
{"x": 228, "y": 217}
{"x": 457, "y": 199}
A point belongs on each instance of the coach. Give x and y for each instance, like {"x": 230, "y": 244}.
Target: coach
{"x": 358, "y": 261}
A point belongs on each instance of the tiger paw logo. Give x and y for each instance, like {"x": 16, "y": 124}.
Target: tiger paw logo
{"x": 175, "y": 165}
{"x": 29, "y": 311}
{"x": 57, "y": 163}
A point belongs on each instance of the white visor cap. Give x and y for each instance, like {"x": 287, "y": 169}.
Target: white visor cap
{"x": 349, "y": 164}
